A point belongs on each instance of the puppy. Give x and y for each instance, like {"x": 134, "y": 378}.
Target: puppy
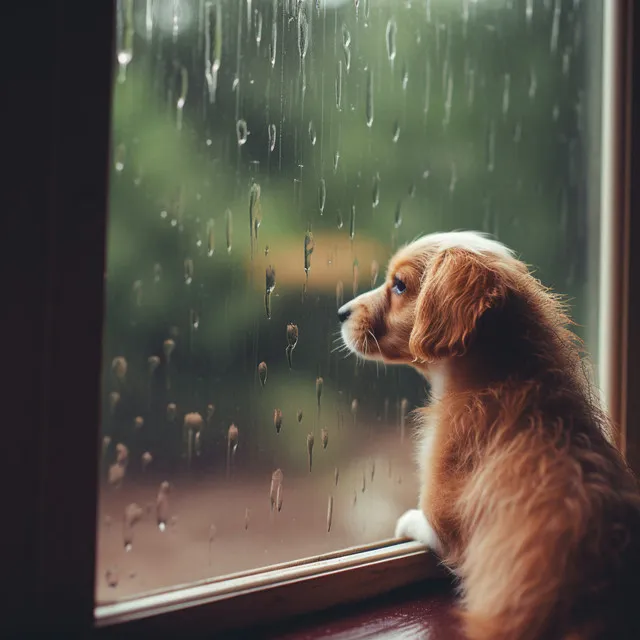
{"x": 522, "y": 493}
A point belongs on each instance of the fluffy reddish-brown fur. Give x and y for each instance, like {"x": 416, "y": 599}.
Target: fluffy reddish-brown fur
{"x": 523, "y": 493}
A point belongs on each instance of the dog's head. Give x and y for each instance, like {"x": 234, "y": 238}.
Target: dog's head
{"x": 435, "y": 292}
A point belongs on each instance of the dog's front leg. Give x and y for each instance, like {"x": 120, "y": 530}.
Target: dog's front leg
{"x": 414, "y": 524}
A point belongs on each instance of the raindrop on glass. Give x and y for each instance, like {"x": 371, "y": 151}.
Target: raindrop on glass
{"x": 397, "y": 217}
{"x": 303, "y": 33}
{"x": 262, "y": 373}
{"x": 188, "y": 271}
{"x": 310, "y": 442}
{"x": 272, "y": 137}
{"x": 369, "y": 98}
{"x": 376, "y": 190}
{"x": 312, "y": 133}
{"x": 319, "y": 387}
{"x": 391, "y": 40}
{"x": 277, "y": 419}
{"x": 352, "y": 222}
{"x": 396, "y": 131}
{"x": 162, "y": 506}
{"x": 232, "y": 446}
{"x": 322, "y": 195}
{"x": 374, "y": 273}
{"x": 228, "y": 217}
{"x": 241, "y": 131}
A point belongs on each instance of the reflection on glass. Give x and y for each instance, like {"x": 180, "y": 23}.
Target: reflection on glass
{"x": 268, "y": 158}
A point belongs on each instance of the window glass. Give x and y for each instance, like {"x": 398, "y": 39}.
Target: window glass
{"x": 268, "y": 157}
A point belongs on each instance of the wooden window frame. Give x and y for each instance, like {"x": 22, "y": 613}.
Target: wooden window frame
{"x": 58, "y": 142}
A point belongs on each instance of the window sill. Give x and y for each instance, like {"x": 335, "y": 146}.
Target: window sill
{"x": 266, "y": 596}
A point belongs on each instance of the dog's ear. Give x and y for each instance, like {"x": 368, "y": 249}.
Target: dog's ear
{"x": 458, "y": 287}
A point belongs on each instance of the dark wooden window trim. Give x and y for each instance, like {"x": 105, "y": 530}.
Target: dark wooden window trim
{"x": 56, "y": 137}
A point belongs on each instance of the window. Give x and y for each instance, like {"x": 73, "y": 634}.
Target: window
{"x": 267, "y": 159}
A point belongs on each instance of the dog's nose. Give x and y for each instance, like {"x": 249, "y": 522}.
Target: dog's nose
{"x": 343, "y": 313}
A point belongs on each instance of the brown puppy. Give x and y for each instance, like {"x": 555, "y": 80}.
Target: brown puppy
{"x": 522, "y": 493}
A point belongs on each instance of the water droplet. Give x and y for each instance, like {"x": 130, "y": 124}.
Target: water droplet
{"x": 120, "y": 154}
{"x": 272, "y": 137}
{"x": 336, "y": 160}
{"x": 312, "y": 133}
{"x": 114, "y": 399}
{"x": 132, "y": 514}
{"x": 138, "y": 423}
{"x": 228, "y": 216}
{"x": 319, "y": 387}
{"x": 255, "y": 215}
{"x": 322, "y": 195}
{"x": 247, "y": 517}
{"x": 396, "y": 131}
{"x": 364, "y": 482}
{"x": 506, "y": 90}
{"x": 340, "y": 222}
{"x": 119, "y": 368}
{"x": 324, "y": 438}
{"x": 157, "y": 273}
{"x": 346, "y": 46}
{"x": 374, "y": 273}
{"x": 258, "y": 27}
{"x": 277, "y": 419}
{"x": 153, "y": 363}
{"x": 188, "y": 271}
{"x": 210, "y": 231}
{"x": 232, "y": 446}
{"x": 339, "y": 85}
{"x": 241, "y": 131}
{"x": 376, "y": 190}
{"x": 172, "y": 411}
{"x": 310, "y": 442}
{"x": 303, "y": 33}
{"x": 354, "y": 408}
{"x": 533, "y": 83}
{"x": 146, "y": 460}
{"x": 275, "y": 491}
{"x": 397, "y": 217}
{"x": 194, "y": 319}
{"x": 405, "y": 76}
{"x": 352, "y": 222}
{"x": 309, "y": 246}
{"x": 329, "y": 514}
{"x": 262, "y": 373}
{"x": 162, "y": 506}
{"x": 355, "y": 277}
{"x": 112, "y": 578}
{"x": 391, "y": 40}
{"x": 299, "y": 416}
{"x": 182, "y": 99}
{"x": 336, "y": 476}
{"x": 369, "y": 98}
{"x": 273, "y": 45}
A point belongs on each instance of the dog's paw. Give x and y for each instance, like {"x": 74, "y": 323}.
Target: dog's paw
{"x": 414, "y": 525}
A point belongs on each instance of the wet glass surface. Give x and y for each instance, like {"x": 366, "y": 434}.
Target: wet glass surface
{"x": 268, "y": 156}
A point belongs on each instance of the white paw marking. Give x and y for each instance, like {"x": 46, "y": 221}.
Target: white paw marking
{"x": 413, "y": 524}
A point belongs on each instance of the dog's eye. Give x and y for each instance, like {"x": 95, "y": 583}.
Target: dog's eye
{"x": 399, "y": 287}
